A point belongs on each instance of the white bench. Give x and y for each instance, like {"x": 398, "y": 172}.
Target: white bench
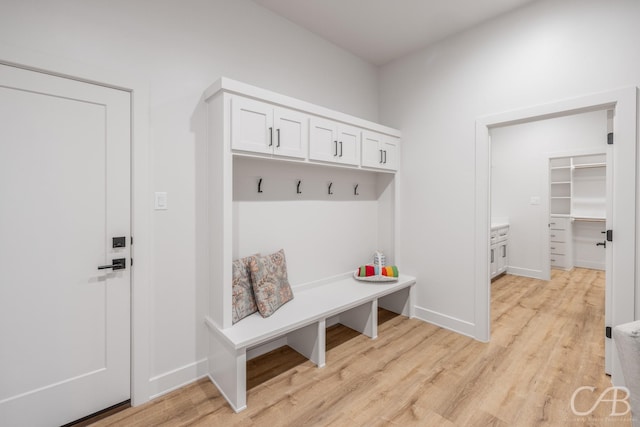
{"x": 302, "y": 322}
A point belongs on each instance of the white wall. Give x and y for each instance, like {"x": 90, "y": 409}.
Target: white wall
{"x": 547, "y": 51}
{"x": 323, "y": 235}
{"x": 519, "y": 170}
{"x": 178, "y": 48}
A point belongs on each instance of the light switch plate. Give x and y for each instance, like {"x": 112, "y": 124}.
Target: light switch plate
{"x": 160, "y": 201}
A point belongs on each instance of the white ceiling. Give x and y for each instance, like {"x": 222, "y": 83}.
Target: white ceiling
{"x": 379, "y": 31}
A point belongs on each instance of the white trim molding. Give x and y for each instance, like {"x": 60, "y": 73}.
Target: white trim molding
{"x": 527, "y": 272}
{"x": 444, "y": 321}
{"x": 177, "y": 378}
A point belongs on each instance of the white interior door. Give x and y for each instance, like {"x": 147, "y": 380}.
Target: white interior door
{"x": 65, "y": 187}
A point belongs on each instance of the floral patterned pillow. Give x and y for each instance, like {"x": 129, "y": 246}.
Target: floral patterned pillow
{"x": 244, "y": 303}
{"x": 270, "y": 283}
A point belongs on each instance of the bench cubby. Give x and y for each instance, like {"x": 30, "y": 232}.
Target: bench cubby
{"x": 302, "y": 323}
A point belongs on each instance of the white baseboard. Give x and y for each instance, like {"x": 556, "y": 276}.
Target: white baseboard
{"x": 590, "y": 264}
{"x": 448, "y": 322}
{"x": 526, "y": 272}
{"x": 172, "y": 380}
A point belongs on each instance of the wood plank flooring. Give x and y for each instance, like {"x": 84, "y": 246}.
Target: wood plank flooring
{"x": 547, "y": 340}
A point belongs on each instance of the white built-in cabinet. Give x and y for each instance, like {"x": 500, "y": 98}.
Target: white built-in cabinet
{"x": 379, "y": 151}
{"x": 330, "y": 141}
{"x": 274, "y": 130}
{"x": 260, "y": 127}
{"x": 264, "y": 147}
{"x": 577, "y": 208}
{"x": 560, "y": 243}
{"x": 498, "y": 251}
{"x": 246, "y": 122}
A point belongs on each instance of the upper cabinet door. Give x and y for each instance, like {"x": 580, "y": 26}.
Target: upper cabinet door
{"x": 379, "y": 151}
{"x": 349, "y": 145}
{"x": 323, "y": 142}
{"x": 334, "y": 142}
{"x": 372, "y": 155}
{"x": 251, "y": 125}
{"x": 291, "y": 133}
{"x": 390, "y": 153}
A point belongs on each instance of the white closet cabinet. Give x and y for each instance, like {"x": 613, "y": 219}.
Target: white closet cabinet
{"x": 379, "y": 151}
{"x": 334, "y": 142}
{"x": 263, "y": 128}
{"x": 560, "y": 243}
{"x": 578, "y": 211}
{"x": 502, "y": 256}
{"x": 493, "y": 266}
{"x": 499, "y": 254}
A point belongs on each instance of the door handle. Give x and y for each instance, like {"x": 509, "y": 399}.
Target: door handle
{"x": 270, "y": 137}
{"x": 602, "y": 244}
{"x": 278, "y": 131}
{"x": 335, "y": 143}
{"x": 340, "y": 148}
{"x": 118, "y": 264}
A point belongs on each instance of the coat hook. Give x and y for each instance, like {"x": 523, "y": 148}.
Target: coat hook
{"x": 260, "y": 185}
{"x": 298, "y": 187}
{"x": 355, "y": 190}
{"x": 330, "y": 184}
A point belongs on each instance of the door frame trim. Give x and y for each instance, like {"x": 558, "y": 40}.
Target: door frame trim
{"x": 137, "y": 86}
{"x": 624, "y": 102}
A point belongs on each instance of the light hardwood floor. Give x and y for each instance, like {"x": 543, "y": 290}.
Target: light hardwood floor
{"x": 547, "y": 340}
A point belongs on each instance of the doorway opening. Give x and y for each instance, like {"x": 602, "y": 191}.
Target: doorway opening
{"x": 622, "y": 276}
{"x": 549, "y": 184}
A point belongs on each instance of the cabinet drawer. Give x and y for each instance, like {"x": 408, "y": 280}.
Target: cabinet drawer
{"x": 558, "y": 248}
{"x": 559, "y": 223}
{"x": 558, "y": 261}
{"x": 503, "y": 233}
{"x": 558, "y": 235}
